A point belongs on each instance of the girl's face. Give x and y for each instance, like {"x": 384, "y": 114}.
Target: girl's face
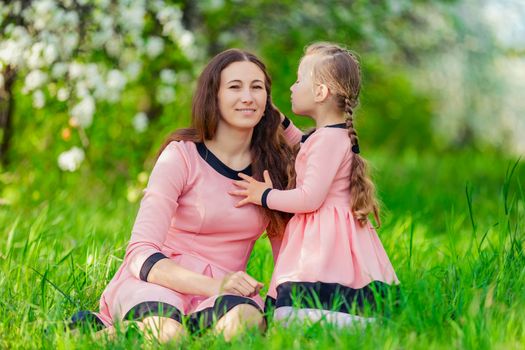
{"x": 303, "y": 89}
{"x": 242, "y": 95}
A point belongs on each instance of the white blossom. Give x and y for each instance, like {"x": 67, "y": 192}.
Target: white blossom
{"x": 81, "y": 89}
{"x": 11, "y": 52}
{"x": 33, "y": 58}
{"x": 39, "y": 100}
{"x": 75, "y": 70}
{"x": 165, "y": 94}
{"x": 59, "y": 70}
{"x": 114, "y": 45}
{"x": 62, "y": 94}
{"x": 167, "y": 76}
{"x": 70, "y": 41}
{"x": 116, "y": 80}
{"x": 71, "y": 160}
{"x": 140, "y": 122}
{"x": 186, "y": 39}
{"x": 133, "y": 70}
{"x": 50, "y": 54}
{"x": 82, "y": 113}
{"x": 34, "y": 80}
{"x": 154, "y": 46}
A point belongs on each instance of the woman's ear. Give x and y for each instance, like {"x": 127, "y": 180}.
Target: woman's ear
{"x": 321, "y": 93}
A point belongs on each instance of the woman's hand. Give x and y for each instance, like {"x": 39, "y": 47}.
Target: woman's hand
{"x": 239, "y": 283}
{"x": 251, "y": 189}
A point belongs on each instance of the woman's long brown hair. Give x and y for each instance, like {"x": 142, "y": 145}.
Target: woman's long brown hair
{"x": 269, "y": 149}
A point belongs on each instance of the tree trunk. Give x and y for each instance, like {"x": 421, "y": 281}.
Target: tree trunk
{"x": 6, "y": 113}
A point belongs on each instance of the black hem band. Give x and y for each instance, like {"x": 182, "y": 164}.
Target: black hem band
{"x": 86, "y": 319}
{"x": 264, "y": 198}
{"x": 153, "y": 308}
{"x": 148, "y": 265}
{"x": 196, "y": 322}
{"x": 202, "y": 320}
{"x": 331, "y": 296}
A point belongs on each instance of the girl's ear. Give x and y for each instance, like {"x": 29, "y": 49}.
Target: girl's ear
{"x": 321, "y": 93}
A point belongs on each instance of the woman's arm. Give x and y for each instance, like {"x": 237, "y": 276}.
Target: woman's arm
{"x": 170, "y": 275}
{"x": 159, "y": 205}
{"x": 157, "y": 208}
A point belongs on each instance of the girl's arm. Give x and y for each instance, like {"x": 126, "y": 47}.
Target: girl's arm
{"x": 324, "y": 158}
{"x": 292, "y": 133}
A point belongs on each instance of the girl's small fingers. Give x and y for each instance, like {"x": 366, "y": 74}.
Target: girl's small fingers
{"x": 241, "y": 203}
{"x": 242, "y": 184}
{"x": 245, "y": 177}
{"x": 238, "y": 193}
{"x": 267, "y": 178}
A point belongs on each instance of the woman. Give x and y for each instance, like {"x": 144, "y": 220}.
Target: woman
{"x": 189, "y": 247}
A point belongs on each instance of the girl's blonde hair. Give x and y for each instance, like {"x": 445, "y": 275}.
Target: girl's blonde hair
{"x": 339, "y": 70}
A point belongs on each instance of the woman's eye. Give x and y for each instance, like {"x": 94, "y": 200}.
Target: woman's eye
{"x": 234, "y": 86}
{"x": 258, "y": 87}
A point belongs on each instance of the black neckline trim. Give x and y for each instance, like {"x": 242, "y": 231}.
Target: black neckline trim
{"x": 337, "y": 126}
{"x": 219, "y": 166}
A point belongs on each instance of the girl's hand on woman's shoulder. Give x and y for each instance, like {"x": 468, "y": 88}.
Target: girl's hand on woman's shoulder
{"x": 251, "y": 189}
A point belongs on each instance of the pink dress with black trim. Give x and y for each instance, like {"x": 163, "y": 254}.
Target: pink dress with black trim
{"x": 324, "y": 245}
{"x": 188, "y": 216}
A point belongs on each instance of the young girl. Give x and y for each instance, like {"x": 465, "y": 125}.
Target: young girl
{"x": 331, "y": 259}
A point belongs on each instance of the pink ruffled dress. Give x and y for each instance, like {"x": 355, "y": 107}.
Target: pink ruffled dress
{"x": 324, "y": 249}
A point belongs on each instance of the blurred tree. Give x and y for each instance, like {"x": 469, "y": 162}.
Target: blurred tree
{"x": 118, "y": 75}
{"x": 82, "y": 53}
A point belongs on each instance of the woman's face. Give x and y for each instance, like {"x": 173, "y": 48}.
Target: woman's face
{"x": 242, "y": 95}
{"x": 302, "y": 96}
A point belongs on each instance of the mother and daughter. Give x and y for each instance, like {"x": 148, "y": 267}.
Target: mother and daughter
{"x": 184, "y": 268}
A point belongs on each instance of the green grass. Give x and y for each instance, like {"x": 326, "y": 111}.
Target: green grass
{"x": 453, "y": 226}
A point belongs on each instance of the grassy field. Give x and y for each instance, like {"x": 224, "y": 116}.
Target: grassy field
{"x": 453, "y": 226}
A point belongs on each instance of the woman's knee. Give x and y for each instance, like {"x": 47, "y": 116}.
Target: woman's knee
{"x": 163, "y": 329}
{"x": 239, "y": 318}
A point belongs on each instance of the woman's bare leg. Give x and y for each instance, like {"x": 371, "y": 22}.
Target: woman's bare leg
{"x": 118, "y": 328}
{"x": 238, "y": 319}
{"x": 163, "y": 329}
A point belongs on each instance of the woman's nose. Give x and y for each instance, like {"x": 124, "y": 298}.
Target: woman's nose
{"x": 247, "y": 96}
